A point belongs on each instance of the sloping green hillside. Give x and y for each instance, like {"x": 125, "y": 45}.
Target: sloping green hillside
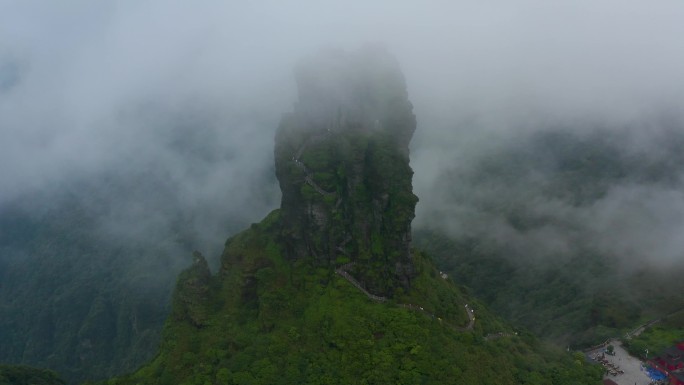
{"x": 88, "y": 266}
{"x": 266, "y": 320}
{"x": 24, "y": 375}
{"x": 74, "y": 301}
{"x": 665, "y": 333}
{"x": 327, "y": 289}
{"x": 572, "y": 236}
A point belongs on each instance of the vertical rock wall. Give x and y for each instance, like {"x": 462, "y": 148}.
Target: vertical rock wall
{"x": 342, "y": 160}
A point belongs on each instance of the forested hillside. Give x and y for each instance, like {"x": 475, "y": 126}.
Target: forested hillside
{"x": 267, "y": 320}
{"x": 87, "y": 266}
{"x": 75, "y": 300}
{"x": 23, "y": 375}
{"x": 573, "y": 236}
{"x": 547, "y": 142}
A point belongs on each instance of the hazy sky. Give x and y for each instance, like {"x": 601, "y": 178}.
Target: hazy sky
{"x": 91, "y": 85}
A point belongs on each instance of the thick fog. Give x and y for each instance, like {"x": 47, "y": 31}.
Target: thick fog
{"x": 191, "y": 93}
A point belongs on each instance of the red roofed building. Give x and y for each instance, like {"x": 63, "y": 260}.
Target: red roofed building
{"x": 671, "y": 362}
{"x": 677, "y": 378}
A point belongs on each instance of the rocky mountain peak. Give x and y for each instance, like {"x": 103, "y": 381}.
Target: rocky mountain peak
{"x": 343, "y": 167}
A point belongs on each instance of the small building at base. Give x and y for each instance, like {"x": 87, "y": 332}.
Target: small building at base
{"x": 671, "y": 362}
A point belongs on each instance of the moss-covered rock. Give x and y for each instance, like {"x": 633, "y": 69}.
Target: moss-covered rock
{"x": 191, "y": 292}
{"x": 342, "y": 162}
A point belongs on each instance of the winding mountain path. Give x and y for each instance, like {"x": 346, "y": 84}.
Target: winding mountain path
{"x": 493, "y": 336}
{"x": 342, "y": 271}
{"x": 307, "y": 174}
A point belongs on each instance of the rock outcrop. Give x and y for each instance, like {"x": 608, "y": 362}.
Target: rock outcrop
{"x": 315, "y": 293}
{"x": 189, "y": 298}
{"x": 343, "y": 166}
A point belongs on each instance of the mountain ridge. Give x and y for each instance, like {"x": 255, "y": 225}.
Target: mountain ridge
{"x": 327, "y": 289}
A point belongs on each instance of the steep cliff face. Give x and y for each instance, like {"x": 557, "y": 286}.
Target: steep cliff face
{"x": 342, "y": 163}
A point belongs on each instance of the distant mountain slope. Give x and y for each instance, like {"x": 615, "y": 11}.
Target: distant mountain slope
{"x": 87, "y": 267}
{"x": 268, "y": 320}
{"x": 24, "y": 375}
{"x": 572, "y": 235}
{"x": 74, "y": 300}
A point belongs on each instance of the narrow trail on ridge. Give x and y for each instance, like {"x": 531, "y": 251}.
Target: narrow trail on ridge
{"x": 342, "y": 271}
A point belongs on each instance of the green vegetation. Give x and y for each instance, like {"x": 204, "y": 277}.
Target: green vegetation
{"x": 283, "y": 310}
{"x": 527, "y": 246}
{"x": 75, "y": 302}
{"x": 267, "y": 320}
{"x": 367, "y": 205}
{"x": 24, "y": 375}
{"x": 563, "y": 303}
{"x": 82, "y": 291}
{"x": 659, "y": 337}
{"x": 280, "y": 311}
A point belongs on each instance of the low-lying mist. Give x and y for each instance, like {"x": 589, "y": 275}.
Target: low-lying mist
{"x": 144, "y": 130}
{"x": 571, "y": 233}
{"x": 552, "y": 193}
{"x": 192, "y": 94}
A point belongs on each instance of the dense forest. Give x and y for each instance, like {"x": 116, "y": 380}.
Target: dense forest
{"x": 74, "y": 300}
{"x": 141, "y": 141}
{"x": 265, "y": 320}
{"x": 84, "y": 277}
{"x": 535, "y": 249}
{"x": 87, "y": 268}
{"x": 24, "y": 375}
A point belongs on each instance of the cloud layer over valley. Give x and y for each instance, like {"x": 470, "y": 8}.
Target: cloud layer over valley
{"x": 192, "y": 93}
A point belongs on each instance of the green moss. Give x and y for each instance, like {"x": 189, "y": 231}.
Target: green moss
{"x": 309, "y": 194}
